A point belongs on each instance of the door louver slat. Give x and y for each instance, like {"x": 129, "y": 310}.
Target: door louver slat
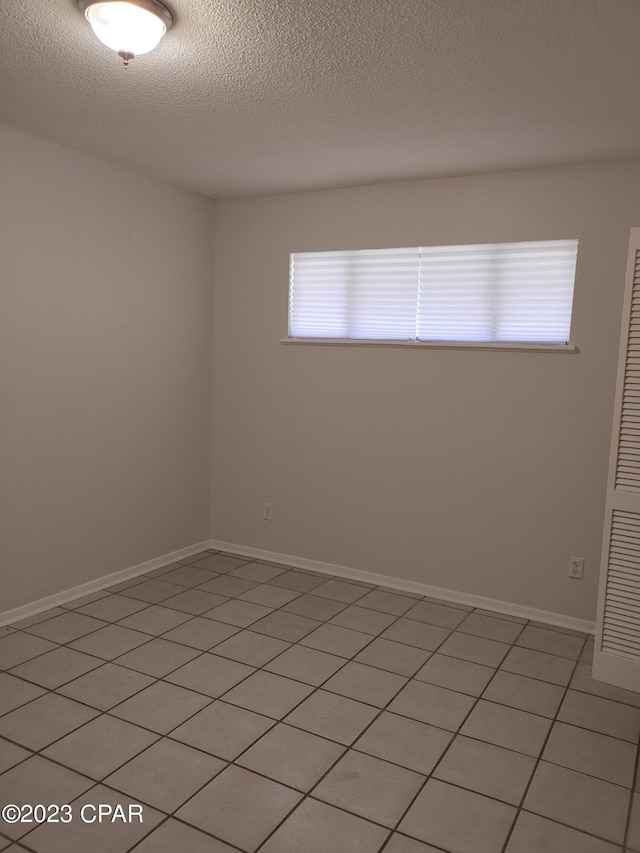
{"x": 616, "y": 656}
{"x": 628, "y": 461}
{"x": 621, "y": 628}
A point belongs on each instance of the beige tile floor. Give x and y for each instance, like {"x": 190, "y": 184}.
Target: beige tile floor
{"x": 251, "y": 707}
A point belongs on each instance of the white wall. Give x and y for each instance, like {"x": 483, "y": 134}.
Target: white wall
{"x": 478, "y": 472}
{"x": 473, "y": 471}
{"x": 105, "y": 368}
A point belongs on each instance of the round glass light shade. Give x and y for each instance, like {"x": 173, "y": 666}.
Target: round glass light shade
{"x": 125, "y": 27}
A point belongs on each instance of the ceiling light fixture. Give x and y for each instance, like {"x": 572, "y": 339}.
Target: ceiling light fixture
{"x": 130, "y": 27}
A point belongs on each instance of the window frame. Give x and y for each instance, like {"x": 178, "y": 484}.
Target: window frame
{"x": 475, "y": 345}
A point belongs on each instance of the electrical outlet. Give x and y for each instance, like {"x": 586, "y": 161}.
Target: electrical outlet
{"x": 576, "y": 567}
{"x": 266, "y": 511}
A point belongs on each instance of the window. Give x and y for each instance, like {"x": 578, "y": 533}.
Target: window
{"x": 504, "y": 293}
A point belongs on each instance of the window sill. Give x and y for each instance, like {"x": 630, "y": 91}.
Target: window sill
{"x": 456, "y": 345}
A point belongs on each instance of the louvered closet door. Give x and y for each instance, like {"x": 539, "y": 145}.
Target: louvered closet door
{"x": 617, "y": 651}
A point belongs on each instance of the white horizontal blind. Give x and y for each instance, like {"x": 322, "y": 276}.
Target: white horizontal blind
{"x": 516, "y": 292}
{"x": 499, "y": 292}
{"x": 361, "y": 295}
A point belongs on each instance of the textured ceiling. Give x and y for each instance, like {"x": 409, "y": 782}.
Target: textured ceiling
{"x": 260, "y": 96}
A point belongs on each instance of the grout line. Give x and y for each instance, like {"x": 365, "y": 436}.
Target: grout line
{"x": 116, "y": 660}
{"x": 538, "y": 760}
{"x": 345, "y": 747}
{"x": 353, "y": 745}
{"x": 315, "y": 688}
{"x": 456, "y": 733}
{"x": 276, "y": 722}
{"x": 282, "y": 721}
{"x": 634, "y": 785}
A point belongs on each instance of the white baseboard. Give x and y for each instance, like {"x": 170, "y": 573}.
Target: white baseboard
{"x": 58, "y": 598}
{"x": 506, "y": 607}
